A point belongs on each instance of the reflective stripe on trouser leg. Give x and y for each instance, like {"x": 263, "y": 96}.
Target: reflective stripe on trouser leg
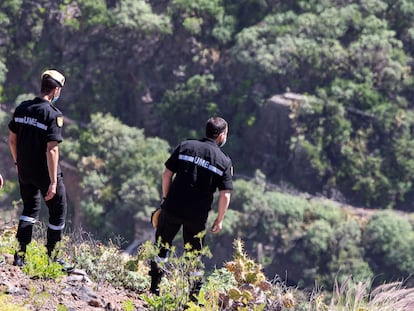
{"x": 160, "y": 259}
{"x": 25, "y": 231}
{"x": 28, "y": 219}
{"x": 53, "y": 236}
{"x": 197, "y": 273}
{"x": 31, "y": 207}
{"x": 57, "y": 215}
{"x": 54, "y": 233}
{"x": 56, "y": 228}
{"x": 195, "y": 282}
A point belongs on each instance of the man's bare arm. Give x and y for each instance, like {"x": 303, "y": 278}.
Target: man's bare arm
{"x": 52, "y": 155}
{"x": 13, "y": 145}
{"x": 223, "y": 204}
{"x": 167, "y": 176}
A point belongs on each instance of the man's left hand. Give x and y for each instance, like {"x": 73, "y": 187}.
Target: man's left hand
{"x": 50, "y": 192}
{"x": 216, "y": 227}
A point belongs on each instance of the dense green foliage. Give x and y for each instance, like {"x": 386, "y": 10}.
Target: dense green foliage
{"x": 165, "y": 66}
{"x": 317, "y": 240}
{"x": 121, "y": 172}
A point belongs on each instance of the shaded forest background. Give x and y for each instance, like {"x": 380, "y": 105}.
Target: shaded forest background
{"x": 318, "y": 95}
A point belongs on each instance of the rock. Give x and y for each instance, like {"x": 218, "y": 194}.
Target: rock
{"x": 95, "y": 303}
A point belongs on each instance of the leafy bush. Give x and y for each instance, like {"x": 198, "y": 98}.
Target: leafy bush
{"x": 324, "y": 209}
{"x": 347, "y": 254}
{"x": 389, "y": 244}
{"x": 211, "y": 7}
{"x": 189, "y": 104}
{"x": 317, "y": 240}
{"x": 122, "y": 175}
{"x": 39, "y": 265}
{"x": 139, "y": 16}
{"x": 105, "y": 263}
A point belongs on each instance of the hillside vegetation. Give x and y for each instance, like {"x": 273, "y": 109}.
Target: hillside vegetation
{"x": 108, "y": 280}
{"x": 142, "y": 75}
{"x": 166, "y": 65}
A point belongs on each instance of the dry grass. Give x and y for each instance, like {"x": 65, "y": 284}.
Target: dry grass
{"x": 361, "y": 297}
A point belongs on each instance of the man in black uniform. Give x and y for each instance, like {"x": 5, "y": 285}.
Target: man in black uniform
{"x": 199, "y": 168}
{"x": 35, "y": 132}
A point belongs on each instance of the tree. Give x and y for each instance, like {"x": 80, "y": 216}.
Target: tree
{"x": 347, "y": 254}
{"x": 389, "y": 246}
{"x": 121, "y": 175}
{"x": 189, "y": 104}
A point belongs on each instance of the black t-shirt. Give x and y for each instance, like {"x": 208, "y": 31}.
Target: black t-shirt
{"x": 200, "y": 168}
{"x": 35, "y": 122}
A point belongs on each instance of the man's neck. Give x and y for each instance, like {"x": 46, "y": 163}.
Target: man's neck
{"x": 46, "y": 97}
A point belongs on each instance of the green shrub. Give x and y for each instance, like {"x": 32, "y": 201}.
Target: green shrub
{"x": 348, "y": 254}
{"x": 108, "y": 264}
{"x": 389, "y": 244}
{"x": 38, "y": 263}
{"x": 317, "y": 239}
{"x": 323, "y": 209}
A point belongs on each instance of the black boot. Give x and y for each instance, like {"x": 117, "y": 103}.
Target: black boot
{"x": 49, "y": 251}
{"x": 195, "y": 290}
{"x": 66, "y": 267}
{"x": 19, "y": 259}
{"x": 156, "y": 274}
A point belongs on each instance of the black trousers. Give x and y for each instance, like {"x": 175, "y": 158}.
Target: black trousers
{"x": 169, "y": 225}
{"x": 32, "y": 192}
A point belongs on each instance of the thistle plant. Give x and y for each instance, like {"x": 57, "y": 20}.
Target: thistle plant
{"x": 252, "y": 290}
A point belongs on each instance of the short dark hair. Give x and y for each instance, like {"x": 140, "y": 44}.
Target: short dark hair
{"x": 215, "y": 126}
{"x": 48, "y": 84}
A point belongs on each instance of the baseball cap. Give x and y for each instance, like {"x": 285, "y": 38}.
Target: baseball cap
{"x": 55, "y": 75}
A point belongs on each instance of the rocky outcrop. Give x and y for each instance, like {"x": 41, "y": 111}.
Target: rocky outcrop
{"x": 72, "y": 180}
{"x": 270, "y": 146}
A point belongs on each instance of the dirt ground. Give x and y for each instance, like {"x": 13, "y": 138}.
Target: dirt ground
{"x": 72, "y": 292}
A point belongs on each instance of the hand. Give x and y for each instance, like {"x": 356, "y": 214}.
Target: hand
{"x": 216, "y": 227}
{"x": 50, "y": 192}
